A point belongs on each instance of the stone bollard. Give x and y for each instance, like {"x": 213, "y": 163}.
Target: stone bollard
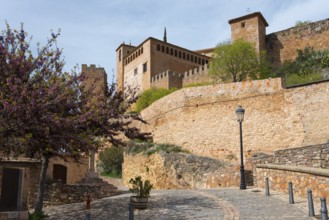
{"x": 291, "y": 193}
{"x": 88, "y": 202}
{"x": 324, "y": 210}
{"x": 131, "y": 212}
{"x": 88, "y": 216}
{"x": 267, "y": 188}
{"x": 310, "y": 204}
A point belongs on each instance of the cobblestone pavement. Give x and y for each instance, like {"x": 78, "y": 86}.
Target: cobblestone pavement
{"x": 223, "y": 203}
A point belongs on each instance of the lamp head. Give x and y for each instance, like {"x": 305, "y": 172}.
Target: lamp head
{"x": 239, "y": 114}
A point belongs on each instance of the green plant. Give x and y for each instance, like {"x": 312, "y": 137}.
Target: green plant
{"x": 111, "y": 161}
{"x": 294, "y": 79}
{"x": 148, "y": 148}
{"x": 37, "y": 216}
{"x": 151, "y": 95}
{"x": 198, "y": 84}
{"x": 140, "y": 188}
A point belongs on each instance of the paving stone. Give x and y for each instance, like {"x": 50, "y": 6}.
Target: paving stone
{"x": 223, "y": 203}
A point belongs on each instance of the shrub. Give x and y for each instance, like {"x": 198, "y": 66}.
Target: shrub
{"x": 198, "y": 84}
{"x": 151, "y": 95}
{"x": 149, "y": 148}
{"x": 111, "y": 161}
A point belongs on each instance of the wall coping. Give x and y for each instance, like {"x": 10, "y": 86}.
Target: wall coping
{"x": 309, "y": 170}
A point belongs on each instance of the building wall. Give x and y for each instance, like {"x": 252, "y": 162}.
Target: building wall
{"x": 75, "y": 171}
{"x": 203, "y": 120}
{"x": 283, "y": 45}
{"x": 122, "y": 51}
{"x": 158, "y": 57}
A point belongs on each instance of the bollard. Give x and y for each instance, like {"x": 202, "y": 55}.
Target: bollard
{"x": 88, "y": 202}
{"x": 267, "y": 188}
{"x": 88, "y": 216}
{"x": 291, "y": 194}
{"x": 323, "y": 210}
{"x": 310, "y": 204}
{"x": 131, "y": 212}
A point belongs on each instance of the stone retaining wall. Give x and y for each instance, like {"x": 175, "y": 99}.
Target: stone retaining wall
{"x": 306, "y": 167}
{"x": 58, "y": 193}
{"x": 203, "y": 121}
{"x": 182, "y": 171}
{"x": 302, "y": 179}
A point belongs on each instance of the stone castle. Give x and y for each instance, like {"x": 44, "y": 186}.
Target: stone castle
{"x": 156, "y": 63}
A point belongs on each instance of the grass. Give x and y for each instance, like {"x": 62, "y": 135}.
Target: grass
{"x": 151, "y": 95}
{"x": 149, "y": 148}
{"x": 198, "y": 84}
{"x": 113, "y": 174}
{"x": 294, "y": 79}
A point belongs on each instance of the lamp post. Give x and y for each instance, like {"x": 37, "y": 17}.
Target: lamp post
{"x": 240, "y": 114}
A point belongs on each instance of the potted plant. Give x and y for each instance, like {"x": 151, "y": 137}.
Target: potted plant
{"x": 142, "y": 192}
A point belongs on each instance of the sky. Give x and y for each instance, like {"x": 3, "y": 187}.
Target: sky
{"x": 91, "y": 30}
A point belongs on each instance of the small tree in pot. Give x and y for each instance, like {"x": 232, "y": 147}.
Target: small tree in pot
{"x": 142, "y": 190}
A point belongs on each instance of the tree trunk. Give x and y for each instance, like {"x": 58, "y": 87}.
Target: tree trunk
{"x": 42, "y": 184}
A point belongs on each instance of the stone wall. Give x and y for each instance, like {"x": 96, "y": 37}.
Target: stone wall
{"x": 182, "y": 171}
{"x": 282, "y": 45}
{"x": 203, "y": 121}
{"x": 58, "y": 194}
{"x": 306, "y": 167}
{"x": 169, "y": 79}
{"x": 196, "y": 75}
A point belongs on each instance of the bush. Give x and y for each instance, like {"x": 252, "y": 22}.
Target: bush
{"x": 111, "y": 161}
{"x": 37, "y": 216}
{"x": 294, "y": 79}
{"x": 199, "y": 84}
{"x": 149, "y": 148}
{"x": 151, "y": 95}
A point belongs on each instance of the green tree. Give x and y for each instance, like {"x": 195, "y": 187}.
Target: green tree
{"x": 237, "y": 61}
{"x": 111, "y": 160}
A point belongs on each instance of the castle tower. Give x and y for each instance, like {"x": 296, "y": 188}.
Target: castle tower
{"x": 251, "y": 28}
{"x": 121, "y": 52}
{"x": 95, "y": 81}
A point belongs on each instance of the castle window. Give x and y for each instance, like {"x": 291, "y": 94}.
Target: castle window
{"x": 163, "y": 48}
{"x": 135, "y": 71}
{"x": 243, "y": 24}
{"x": 202, "y": 61}
{"x": 188, "y": 56}
{"x": 171, "y": 51}
{"x": 158, "y": 47}
{"x": 199, "y": 60}
{"x": 192, "y": 58}
{"x": 142, "y": 50}
{"x": 183, "y": 55}
{"x": 119, "y": 55}
{"x": 175, "y": 53}
{"x": 179, "y": 54}
{"x": 195, "y": 60}
{"x": 144, "y": 67}
{"x": 167, "y": 50}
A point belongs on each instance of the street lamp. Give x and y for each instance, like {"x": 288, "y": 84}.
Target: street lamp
{"x": 240, "y": 114}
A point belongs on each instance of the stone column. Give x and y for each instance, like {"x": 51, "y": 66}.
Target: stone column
{"x": 92, "y": 173}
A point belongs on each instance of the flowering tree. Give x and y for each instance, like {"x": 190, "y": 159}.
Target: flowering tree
{"x": 44, "y": 112}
